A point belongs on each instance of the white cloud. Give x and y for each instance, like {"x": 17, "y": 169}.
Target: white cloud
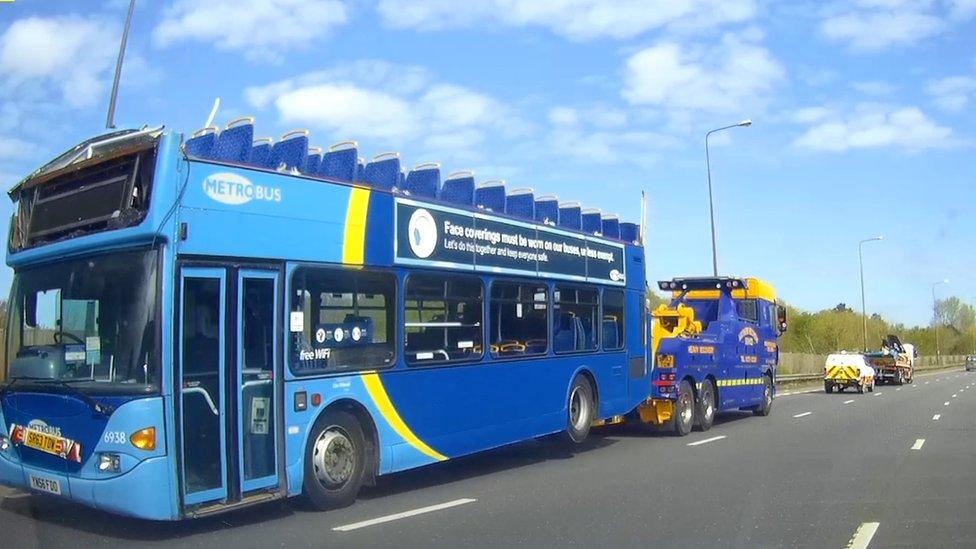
{"x": 260, "y": 29}
{"x": 873, "y": 25}
{"x": 953, "y": 93}
{"x": 71, "y": 54}
{"x": 873, "y": 126}
{"x": 875, "y": 87}
{"x": 809, "y": 115}
{"x": 731, "y": 76}
{"x": 584, "y": 135}
{"x": 12, "y": 148}
{"x": 577, "y": 19}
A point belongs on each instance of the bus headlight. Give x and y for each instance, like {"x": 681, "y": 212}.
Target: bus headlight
{"x": 144, "y": 439}
{"x": 109, "y": 462}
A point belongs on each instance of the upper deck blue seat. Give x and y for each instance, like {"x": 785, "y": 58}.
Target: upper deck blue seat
{"x": 570, "y": 216}
{"x": 566, "y": 333}
{"x": 592, "y": 221}
{"x": 629, "y": 232}
{"x": 201, "y": 143}
{"x": 490, "y": 195}
{"x": 383, "y": 172}
{"x": 290, "y": 152}
{"x": 610, "y": 339}
{"x": 611, "y": 226}
{"x": 521, "y": 203}
{"x": 313, "y": 161}
{"x": 234, "y": 143}
{"x": 339, "y": 161}
{"x": 547, "y": 209}
{"x": 424, "y": 180}
{"x": 458, "y": 188}
{"x": 260, "y": 152}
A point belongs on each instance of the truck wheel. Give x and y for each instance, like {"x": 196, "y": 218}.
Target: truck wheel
{"x": 706, "y": 406}
{"x": 335, "y": 461}
{"x": 871, "y": 387}
{"x": 582, "y": 410}
{"x": 860, "y": 388}
{"x": 767, "y": 398}
{"x": 684, "y": 410}
{"x": 828, "y": 387}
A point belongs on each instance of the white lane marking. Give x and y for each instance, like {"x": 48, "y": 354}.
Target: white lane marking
{"x": 947, "y": 403}
{"x": 804, "y": 414}
{"x": 706, "y": 441}
{"x": 878, "y": 394}
{"x": 936, "y": 417}
{"x": 926, "y": 382}
{"x": 848, "y": 401}
{"x": 918, "y": 444}
{"x": 954, "y": 396}
{"x": 862, "y": 537}
{"x": 898, "y": 389}
{"x": 403, "y": 515}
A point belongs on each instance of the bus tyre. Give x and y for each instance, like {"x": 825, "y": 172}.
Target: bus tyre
{"x": 767, "y": 398}
{"x": 684, "y": 410}
{"x": 706, "y": 406}
{"x": 335, "y": 461}
{"x": 581, "y": 410}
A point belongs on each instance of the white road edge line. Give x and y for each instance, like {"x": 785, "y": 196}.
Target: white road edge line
{"x": 804, "y": 414}
{"x": 862, "y": 537}
{"x": 706, "y": 441}
{"x": 918, "y": 444}
{"x": 936, "y": 417}
{"x": 848, "y": 401}
{"x": 403, "y": 515}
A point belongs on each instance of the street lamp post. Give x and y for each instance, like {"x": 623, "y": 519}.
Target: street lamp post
{"x": 711, "y": 205}
{"x": 864, "y": 312}
{"x": 938, "y": 351}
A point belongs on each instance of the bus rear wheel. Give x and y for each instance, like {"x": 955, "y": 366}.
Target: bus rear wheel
{"x": 582, "y": 410}
{"x": 335, "y": 461}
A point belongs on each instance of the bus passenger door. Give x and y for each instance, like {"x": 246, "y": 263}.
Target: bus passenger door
{"x": 257, "y": 360}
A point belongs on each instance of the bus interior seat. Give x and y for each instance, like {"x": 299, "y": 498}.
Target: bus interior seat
{"x": 339, "y": 161}
{"x": 291, "y": 151}
{"x": 458, "y": 188}
{"x": 610, "y": 339}
{"x": 592, "y": 221}
{"x": 611, "y": 226}
{"x": 547, "y": 209}
{"x": 569, "y": 215}
{"x": 383, "y": 172}
{"x": 260, "y": 152}
{"x": 312, "y": 161}
{"x": 201, "y": 143}
{"x": 521, "y": 203}
{"x": 565, "y": 337}
{"x": 424, "y": 180}
{"x": 490, "y": 196}
{"x": 234, "y": 143}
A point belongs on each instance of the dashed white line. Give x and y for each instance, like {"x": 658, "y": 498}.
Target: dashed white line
{"x": 706, "y": 441}
{"x": 946, "y": 403}
{"x": 878, "y": 394}
{"x": 862, "y": 537}
{"x": 403, "y": 515}
{"x": 926, "y": 382}
{"x": 936, "y": 417}
{"x": 848, "y": 401}
{"x": 898, "y": 389}
{"x": 804, "y": 414}
{"x": 918, "y": 444}
{"x": 954, "y": 396}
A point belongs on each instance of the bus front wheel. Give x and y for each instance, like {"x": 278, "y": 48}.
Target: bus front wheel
{"x": 335, "y": 461}
{"x": 582, "y": 410}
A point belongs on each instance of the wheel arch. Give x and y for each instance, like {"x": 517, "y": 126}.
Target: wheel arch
{"x": 586, "y": 374}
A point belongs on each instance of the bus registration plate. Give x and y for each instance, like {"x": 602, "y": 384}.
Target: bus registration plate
{"x": 43, "y": 442}
{"x": 45, "y": 485}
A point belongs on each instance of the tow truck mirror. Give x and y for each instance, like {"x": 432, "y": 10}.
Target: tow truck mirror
{"x": 781, "y": 318}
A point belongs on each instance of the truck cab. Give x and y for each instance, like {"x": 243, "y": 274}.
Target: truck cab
{"x": 714, "y": 348}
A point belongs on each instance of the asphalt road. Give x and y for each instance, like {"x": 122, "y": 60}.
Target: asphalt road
{"x": 899, "y": 463}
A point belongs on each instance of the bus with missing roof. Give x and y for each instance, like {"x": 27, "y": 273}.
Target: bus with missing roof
{"x": 199, "y": 324}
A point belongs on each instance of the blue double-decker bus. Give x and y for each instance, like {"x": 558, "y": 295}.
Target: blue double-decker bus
{"x": 200, "y": 324}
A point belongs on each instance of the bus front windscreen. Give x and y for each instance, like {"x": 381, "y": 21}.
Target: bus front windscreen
{"x": 89, "y": 322}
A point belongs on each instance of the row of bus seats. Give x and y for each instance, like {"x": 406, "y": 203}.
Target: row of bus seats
{"x": 236, "y": 143}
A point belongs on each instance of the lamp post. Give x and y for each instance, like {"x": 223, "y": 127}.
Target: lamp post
{"x": 938, "y": 351}
{"x": 711, "y": 205}
{"x": 864, "y": 312}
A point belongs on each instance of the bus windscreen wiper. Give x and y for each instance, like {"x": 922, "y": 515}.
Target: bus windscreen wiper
{"x": 99, "y": 408}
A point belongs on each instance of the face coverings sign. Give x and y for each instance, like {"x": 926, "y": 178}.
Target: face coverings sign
{"x": 440, "y": 236}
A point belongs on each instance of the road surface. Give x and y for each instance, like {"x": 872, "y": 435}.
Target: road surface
{"x": 889, "y": 468}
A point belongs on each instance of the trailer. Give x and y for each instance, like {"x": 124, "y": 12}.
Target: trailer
{"x": 893, "y": 362}
{"x": 848, "y": 370}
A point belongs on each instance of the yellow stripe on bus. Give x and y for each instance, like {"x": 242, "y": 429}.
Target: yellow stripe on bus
{"x": 354, "y": 237}
{"x": 376, "y": 391}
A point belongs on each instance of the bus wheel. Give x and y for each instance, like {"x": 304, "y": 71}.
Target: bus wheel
{"x": 767, "y": 398}
{"x": 335, "y": 461}
{"x": 684, "y": 412}
{"x": 706, "y": 406}
{"x": 582, "y": 410}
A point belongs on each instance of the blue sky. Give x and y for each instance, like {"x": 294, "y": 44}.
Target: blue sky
{"x": 863, "y": 113}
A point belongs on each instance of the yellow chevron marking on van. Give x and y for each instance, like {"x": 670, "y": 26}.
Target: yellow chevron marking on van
{"x": 382, "y": 400}
{"x": 354, "y": 236}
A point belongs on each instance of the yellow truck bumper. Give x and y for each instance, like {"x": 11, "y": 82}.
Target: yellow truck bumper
{"x": 656, "y": 411}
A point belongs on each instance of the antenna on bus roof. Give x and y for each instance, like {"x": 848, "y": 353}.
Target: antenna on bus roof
{"x": 213, "y": 113}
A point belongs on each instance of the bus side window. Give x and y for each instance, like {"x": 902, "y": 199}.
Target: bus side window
{"x": 519, "y": 319}
{"x": 613, "y": 320}
{"x": 575, "y": 319}
{"x": 442, "y": 319}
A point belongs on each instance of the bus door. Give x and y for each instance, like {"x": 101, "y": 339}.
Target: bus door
{"x": 229, "y": 353}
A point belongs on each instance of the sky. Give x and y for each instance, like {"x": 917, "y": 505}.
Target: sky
{"x": 862, "y": 113}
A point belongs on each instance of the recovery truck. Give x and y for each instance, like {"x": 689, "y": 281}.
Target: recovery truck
{"x": 844, "y": 370}
{"x": 714, "y": 348}
{"x": 894, "y": 362}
